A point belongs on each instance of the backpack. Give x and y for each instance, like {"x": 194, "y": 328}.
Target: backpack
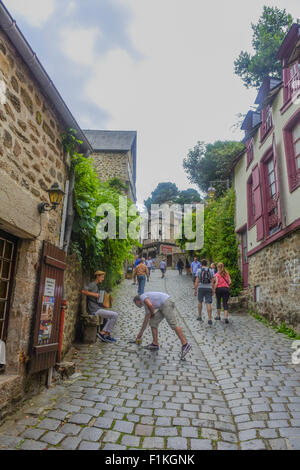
{"x": 205, "y": 276}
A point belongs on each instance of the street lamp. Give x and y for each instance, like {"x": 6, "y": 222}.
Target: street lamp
{"x": 212, "y": 190}
{"x": 55, "y": 195}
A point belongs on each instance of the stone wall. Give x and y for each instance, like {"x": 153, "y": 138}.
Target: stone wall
{"x": 31, "y": 160}
{"x": 276, "y": 269}
{"x": 73, "y": 283}
{"x": 113, "y": 165}
{"x": 31, "y": 151}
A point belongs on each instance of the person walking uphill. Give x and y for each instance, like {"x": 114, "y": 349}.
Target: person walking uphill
{"x": 222, "y": 289}
{"x": 159, "y": 306}
{"x": 180, "y": 266}
{"x": 204, "y": 284}
{"x": 141, "y": 273}
{"x": 195, "y": 266}
{"x": 93, "y": 293}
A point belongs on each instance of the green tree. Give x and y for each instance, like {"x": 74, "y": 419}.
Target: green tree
{"x": 267, "y": 37}
{"x": 188, "y": 196}
{"x": 164, "y": 192}
{"x": 210, "y": 162}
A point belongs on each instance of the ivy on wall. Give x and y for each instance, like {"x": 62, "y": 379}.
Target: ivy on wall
{"x": 220, "y": 240}
{"x": 107, "y": 255}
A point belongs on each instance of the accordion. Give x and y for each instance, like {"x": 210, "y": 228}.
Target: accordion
{"x": 104, "y": 299}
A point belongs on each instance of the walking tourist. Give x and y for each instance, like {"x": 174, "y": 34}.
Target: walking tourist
{"x": 204, "y": 285}
{"x": 136, "y": 262}
{"x": 214, "y": 268}
{"x": 187, "y": 267}
{"x": 159, "y": 306}
{"x": 180, "y": 266}
{"x": 93, "y": 292}
{"x": 163, "y": 268}
{"x": 222, "y": 289}
{"x": 149, "y": 264}
{"x": 141, "y": 273}
{"x": 195, "y": 266}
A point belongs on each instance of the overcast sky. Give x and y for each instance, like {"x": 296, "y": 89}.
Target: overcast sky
{"x": 161, "y": 67}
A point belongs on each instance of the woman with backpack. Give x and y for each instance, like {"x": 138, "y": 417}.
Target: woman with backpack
{"x": 222, "y": 289}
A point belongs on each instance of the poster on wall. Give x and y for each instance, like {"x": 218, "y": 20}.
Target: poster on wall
{"x": 46, "y": 321}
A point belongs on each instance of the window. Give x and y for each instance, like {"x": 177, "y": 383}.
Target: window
{"x": 292, "y": 150}
{"x": 257, "y": 294}
{"x": 292, "y": 81}
{"x": 296, "y": 145}
{"x": 271, "y": 196}
{"x": 272, "y": 211}
{"x": 267, "y": 121}
{"x": 250, "y": 151}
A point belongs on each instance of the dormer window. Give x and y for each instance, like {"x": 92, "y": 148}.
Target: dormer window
{"x": 267, "y": 121}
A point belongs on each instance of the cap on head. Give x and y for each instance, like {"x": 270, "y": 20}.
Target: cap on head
{"x": 99, "y": 273}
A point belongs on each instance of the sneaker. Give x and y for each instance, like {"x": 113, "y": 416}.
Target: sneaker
{"x": 226, "y": 320}
{"x": 110, "y": 339}
{"x": 199, "y": 318}
{"x": 185, "y": 349}
{"x": 217, "y": 318}
{"x": 210, "y": 322}
{"x": 152, "y": 347}
{"x": 102, "y": 338}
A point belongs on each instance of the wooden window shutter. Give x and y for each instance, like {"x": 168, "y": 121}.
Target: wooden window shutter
{"x": 257, "y": 192}
{"x": 260, "y": 229}
{"x": 258, "y": 203}
{"x": 277, "y": 180}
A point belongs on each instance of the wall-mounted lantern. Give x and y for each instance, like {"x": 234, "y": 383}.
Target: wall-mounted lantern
{"x": 55, "y": 195}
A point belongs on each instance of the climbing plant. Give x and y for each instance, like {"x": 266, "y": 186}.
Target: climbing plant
{"x": 93, "y": 253}
{"x": 220, "y": 241}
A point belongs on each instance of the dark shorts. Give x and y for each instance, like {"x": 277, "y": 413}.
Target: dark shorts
{"x": 206, "y": 295}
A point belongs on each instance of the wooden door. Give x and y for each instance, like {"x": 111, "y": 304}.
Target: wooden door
{"x": 45, "y": 339}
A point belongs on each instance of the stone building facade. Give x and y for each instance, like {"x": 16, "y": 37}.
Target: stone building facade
{"x": 159, "y": 233}
{"x": 266, "y": 177}
{"x": 32, "y": 119}
{"x": 114, "y": 154}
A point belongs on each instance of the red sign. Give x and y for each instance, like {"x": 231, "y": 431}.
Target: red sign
{"x": 166, "y": 249}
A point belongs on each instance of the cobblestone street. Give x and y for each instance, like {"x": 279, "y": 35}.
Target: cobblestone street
{"x": 237, "y": 388}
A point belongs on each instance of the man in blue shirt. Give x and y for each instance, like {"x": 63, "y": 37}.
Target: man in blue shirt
{"x": 195, "y": 266}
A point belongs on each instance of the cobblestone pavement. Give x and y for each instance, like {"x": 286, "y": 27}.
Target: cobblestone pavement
{"x": 237, "y": 389}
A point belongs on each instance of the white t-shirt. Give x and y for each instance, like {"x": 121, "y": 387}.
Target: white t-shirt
{"x": 156, "y": 298}
{"x": 149, "y": 263}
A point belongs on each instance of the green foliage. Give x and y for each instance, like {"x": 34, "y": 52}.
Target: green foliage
{"x": 268, "y": 35}
{"x": 169, "y": 193}
{"x": 220, "y": 241}
{"x": 108, "y": 255}
{"x": 164, "y": 192}
{"x": 287, "y": 331}
{"x": 188, "y": 196}
{"x": 210, "y": 162}
{"x": 282, "y": 328}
